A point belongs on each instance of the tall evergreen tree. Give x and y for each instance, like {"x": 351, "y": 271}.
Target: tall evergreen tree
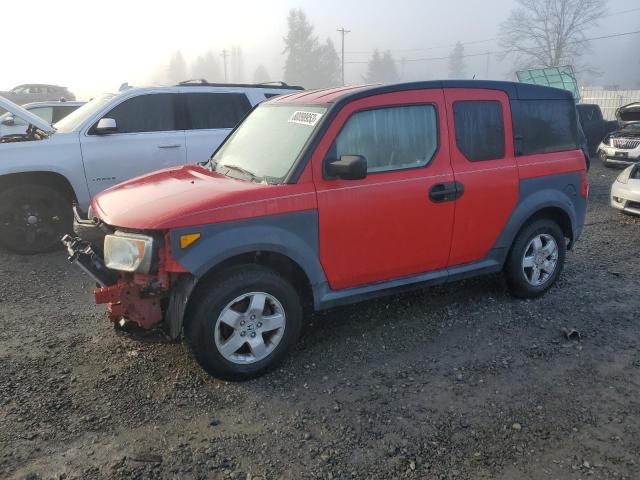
{"x": 207, "y": 66}
{"x": 382, "y": 68}
{"x": 177, "y": 69}
{"x": 457, "y": 67}
{"x": 308, "y": 63}
{"x": 261, "y": 75}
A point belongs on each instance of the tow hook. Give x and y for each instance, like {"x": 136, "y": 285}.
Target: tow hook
{"x": 82, "y": 255}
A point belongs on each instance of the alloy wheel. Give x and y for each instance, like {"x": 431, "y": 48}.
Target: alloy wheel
{"x": 540, "y": 259}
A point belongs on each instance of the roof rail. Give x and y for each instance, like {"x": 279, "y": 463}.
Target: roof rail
{"x": 201, "y": 82}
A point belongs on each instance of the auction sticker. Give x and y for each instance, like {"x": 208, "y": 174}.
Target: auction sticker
{"x": 305, "y": 118}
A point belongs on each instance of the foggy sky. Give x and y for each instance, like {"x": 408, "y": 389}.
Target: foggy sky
{"x": 93, "y": 47}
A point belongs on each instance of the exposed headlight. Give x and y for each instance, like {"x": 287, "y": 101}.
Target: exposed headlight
{"x": 129, "y": 252}
{"x": 624, "y": 176}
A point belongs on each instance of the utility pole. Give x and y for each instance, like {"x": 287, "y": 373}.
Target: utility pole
{"x": 486, "y": 76}
{"x": 343, "y": 32}
{"x": 224, "y": 56}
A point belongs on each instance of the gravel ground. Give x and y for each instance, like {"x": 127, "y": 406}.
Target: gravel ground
{"x": 460, "y": 381}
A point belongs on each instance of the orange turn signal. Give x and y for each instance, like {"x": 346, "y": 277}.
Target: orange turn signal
{"x": 188, "y": 239}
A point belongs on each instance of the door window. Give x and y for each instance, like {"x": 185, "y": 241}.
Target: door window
{"x": 215, "y": 110}
{"x": 479, "y": 129}
{"x": 60, "y": 112}
{"x": 146, "y": 113}
{"x": 390, "y": 138}
{"x": 45, "y": 113}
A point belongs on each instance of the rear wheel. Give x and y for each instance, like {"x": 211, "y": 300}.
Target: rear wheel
{"x": 33, "y": 218}
{"x": 536, "y": 259}
{"x": 244, "y": 322}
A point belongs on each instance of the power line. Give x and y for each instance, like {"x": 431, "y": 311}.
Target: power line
{"x": 471, "y": 42}
{"x": 424, "y": 59}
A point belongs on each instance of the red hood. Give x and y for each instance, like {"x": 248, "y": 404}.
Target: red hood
{"x": 187, "y": 196}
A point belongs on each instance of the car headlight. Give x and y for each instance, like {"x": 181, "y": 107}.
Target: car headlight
{"x": 624, "y": 176}
{"x": 129, "y": 252}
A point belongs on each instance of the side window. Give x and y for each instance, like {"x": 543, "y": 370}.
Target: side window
{"x": 479, "y": 129}
{"x": 216, "y": 110}
{"x": 390, "y": 138}
{"x": 45, "y": 113}
{"x": 146, "y": 113}
{"x": 543, "y": 126}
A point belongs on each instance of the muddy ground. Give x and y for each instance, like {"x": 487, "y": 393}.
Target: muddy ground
{"x": 460, "y": 381}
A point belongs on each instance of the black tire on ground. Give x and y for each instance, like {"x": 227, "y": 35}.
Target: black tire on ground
{"x": 33, "y": 218}
{"x": 210, "y": 301}
{"x": 514, "y": 271}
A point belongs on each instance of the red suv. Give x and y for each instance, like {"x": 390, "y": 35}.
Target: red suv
{"x": 327, "y": 197}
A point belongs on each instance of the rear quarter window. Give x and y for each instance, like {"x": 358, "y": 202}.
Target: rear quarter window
{"x": 544, "y": 126}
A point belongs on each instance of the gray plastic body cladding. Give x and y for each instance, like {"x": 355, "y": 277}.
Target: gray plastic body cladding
{"x": 551, "y": 191}
{"x": 294, "y": 235}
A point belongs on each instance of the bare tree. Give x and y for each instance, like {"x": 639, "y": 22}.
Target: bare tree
{"x": 549, "y": 33}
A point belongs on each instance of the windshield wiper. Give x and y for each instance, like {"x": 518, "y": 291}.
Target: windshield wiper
{"x": 252, "y": 176}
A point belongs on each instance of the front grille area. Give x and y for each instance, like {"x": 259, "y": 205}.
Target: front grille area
{"x": 626, "y": 143}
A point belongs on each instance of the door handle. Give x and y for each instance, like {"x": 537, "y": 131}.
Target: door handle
{"x": 446, "y": 192}
{"x": 170, "y": 145}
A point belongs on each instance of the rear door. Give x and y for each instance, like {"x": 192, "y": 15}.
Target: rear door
{"x": 210, "y": 117}
{"x": 146, "y": 139}
{"x": 385, "y": 226}
{"x": 484, "y": 165}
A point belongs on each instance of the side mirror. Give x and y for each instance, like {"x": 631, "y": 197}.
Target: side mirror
{"x": 349, "y": 167}
{"x": 106, "y": 125}
{"x": 9, "y": 121}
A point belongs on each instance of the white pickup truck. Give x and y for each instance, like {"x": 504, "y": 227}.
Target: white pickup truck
{"x": 112, "y": 138}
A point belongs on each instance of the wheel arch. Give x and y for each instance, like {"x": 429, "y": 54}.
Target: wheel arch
{"x": 50, "y": 179}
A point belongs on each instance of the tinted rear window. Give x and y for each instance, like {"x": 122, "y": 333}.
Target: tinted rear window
{"x": 543, "y": 126}
{"x": 216, "y": 110}
{"x": 479, "y": 129}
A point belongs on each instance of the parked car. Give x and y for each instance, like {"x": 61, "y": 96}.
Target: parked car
{"x": 621, "y": 147}
{"x": 37, "y": 92}
{"x": 330, "y": 197}
{"x": 593, "y": 124}
{"x": 110, "y": 139}
{"x": 625, "y": 191}
{"x": 50, "y": 112}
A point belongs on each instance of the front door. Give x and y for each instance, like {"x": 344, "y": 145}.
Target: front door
{"x": 386, "y": 226}
{"x": 146, "y": 140}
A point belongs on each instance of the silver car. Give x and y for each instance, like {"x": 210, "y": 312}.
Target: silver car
{"x": 51, "y": 112}
{"x": 37, "y": 92}
{"x": 625, "y": 191}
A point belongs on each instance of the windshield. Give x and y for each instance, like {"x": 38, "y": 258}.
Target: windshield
{"x": 634, "y": 127}
{"x": 77, "y": 117}
{"x": 265, "y": 146}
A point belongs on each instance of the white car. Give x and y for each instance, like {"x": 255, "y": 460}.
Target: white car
{"x": 110, "y": 139}
{"x": 621, "y": 147}
{"x": 625, "y": 191}
{"x": 51, "y": 112}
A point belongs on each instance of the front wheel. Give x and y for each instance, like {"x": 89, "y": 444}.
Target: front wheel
{"x": 536, "y": 259}
{"x": 244, "y": 322}
{"x": 33, "y": 218}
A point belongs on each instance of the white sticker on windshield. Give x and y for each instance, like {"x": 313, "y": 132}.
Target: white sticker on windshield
{"x": 305, "y": 118}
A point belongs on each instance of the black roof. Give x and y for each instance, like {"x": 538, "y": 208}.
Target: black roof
{"x": 515, "y": 90}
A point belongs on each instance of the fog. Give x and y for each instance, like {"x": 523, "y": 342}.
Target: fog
{"x": 92, "y": 47}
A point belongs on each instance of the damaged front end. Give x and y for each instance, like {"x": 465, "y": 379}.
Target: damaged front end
{"x": 135, "y": 274}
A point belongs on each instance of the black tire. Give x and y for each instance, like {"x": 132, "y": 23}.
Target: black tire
{"x": 514, "y": 270}
{"x": 212, "y": 298}
{"x": 49, "y": 210}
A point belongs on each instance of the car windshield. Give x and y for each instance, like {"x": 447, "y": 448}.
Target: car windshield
{"x": 77, "y": 117}
{"x": 265, "y": 146}
{"x": 634, "y": 127}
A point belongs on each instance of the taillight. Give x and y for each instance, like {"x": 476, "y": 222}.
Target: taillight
{"x": 584, "y": 187}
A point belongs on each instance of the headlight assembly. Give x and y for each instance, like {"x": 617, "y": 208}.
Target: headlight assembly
{"x": 128, "y": 252}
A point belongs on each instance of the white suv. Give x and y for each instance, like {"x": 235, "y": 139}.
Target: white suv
{"x": 112, "y": 138}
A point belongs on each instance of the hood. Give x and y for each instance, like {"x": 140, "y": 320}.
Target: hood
{"x": 176, "y": 197}
{"x": 25, "y": 115}
{"x": 629, "y": 113}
